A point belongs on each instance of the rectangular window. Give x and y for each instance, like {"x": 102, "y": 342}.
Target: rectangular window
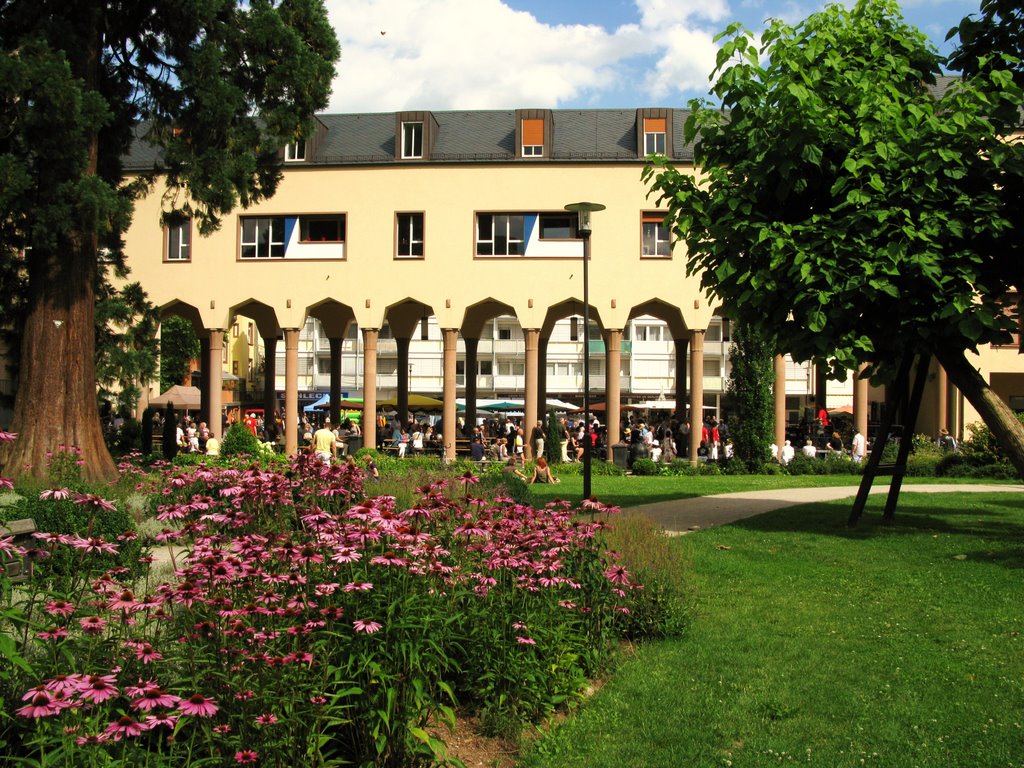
{"x": 484, "y": 367}
{"x": 504, "y": 334}
{"x": 262, "y": 237}
{"x": 574, "y": 329}
{"x": 409, "y": 236}
{"x": 295, "y": 151}
{"x": 322, "y": 229}
{"x": 558, "y": 226}
{"x": 655, "y": 130}
{"x": 533, "y": 138}
{"x": 412, "y": 140}
{"x": 179, "y": 239}
{"x": 499, "y": 234}
{"x": 655, "y": 235}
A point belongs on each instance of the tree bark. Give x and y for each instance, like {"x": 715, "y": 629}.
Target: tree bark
{"x": 993, "y": 411}
{"x": 55, "y": 404}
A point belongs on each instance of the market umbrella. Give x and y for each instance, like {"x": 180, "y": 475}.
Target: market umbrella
{"x": 180, "y": 396}
{"x": 416, "y": 402}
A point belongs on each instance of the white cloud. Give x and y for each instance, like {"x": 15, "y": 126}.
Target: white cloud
{"x": 483, "y": 54}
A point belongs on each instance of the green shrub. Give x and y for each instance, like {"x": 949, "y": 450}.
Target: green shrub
{"x": 709, "y": 468}
{"x": 69, "y": 517}
{"x": 598, "y": 468}
{"x": 806, "y": 465}
{"x": 733, "y": 466}
{"x": 645, "y": 467}
{"x": 923, "y": 465}
{"x": 240, "y": 441}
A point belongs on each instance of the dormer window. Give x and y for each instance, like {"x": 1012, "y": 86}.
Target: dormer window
{"x": 655, "y": 132}
{"x": 412, "y": 140}
{"x": 533, "y": 138}
{"x": 295, "y": 151}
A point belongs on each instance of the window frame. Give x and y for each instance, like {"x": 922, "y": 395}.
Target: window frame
{"x": 412, "y": 242}
{"x": 412, "y": 139}
{"x": 571, "y": 218}
{"x": 295, "y": 151}
{"x": 655, "y": 218}
{"x": 271, "y": 244}
{"x": 306, "y": 219}
{"x": 173, "y": 228}
{"x": 494, "y": 240}
{"x": 530, "y": 148}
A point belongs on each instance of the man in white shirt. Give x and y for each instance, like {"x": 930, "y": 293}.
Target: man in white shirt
{"x": 809, "y": 449}
{"x": 858, "y": 447}
{"x": 787, "y": 453}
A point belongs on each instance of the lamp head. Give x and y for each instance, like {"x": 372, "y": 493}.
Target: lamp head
{"x": 583, "y": 211}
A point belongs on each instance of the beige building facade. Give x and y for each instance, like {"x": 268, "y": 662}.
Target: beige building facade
{"x": 432, "y": 242}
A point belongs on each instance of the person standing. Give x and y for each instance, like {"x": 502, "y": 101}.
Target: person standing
{"x": 537, "y": 440}
{"x": 858, "y": 447}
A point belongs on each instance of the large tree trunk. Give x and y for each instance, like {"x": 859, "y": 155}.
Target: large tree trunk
{"x": 994, "y": 412}
{"x": 55, "y": 404}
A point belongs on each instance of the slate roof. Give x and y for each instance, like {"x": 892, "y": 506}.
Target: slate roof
{"x": 471, "y": 136}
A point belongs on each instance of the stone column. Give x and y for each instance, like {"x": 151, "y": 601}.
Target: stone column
{"x": 696, "y": 389}
{"x": 402, "y": 401}
{"x": 471, "y": 367}
{"x": 542, "y": 381}
{"x": 941, "y": 399}
{"x": 270, "y": 386}
{"x": 369, "y": 425}
{"x": 860, "y": 401}
{"x": 681, "y": 346}
{"x": 291, "y": 391}
{"x": 779, "y": 390}
{"x": 613, "y": 386}
{"x": 215, "y": 375}
{"x": 450, "y": 422}
{"x": 204, "y": 377}
{"x": 530, "y": 409}
{"x": 335, "y": 386}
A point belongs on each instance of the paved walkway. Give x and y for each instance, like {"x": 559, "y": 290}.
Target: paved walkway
{"x": 685, "y": 515}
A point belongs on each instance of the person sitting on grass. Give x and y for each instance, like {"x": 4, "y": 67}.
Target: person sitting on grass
{"x": 542, "y": 472}
{"x": 512, "y": 468}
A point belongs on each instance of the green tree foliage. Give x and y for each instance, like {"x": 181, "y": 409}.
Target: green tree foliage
{"x": 749, "y": 390}
{"x": 179, "y": 346}
{"x": 846, "y": 208}
{"x": 125, "y": 348}
{"x": 218, "y": 87}
{"x": 553, "y": 438}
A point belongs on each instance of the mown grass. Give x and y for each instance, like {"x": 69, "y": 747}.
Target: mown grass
{"x": 629, "y": 490}
{"x": 893, "y": 646}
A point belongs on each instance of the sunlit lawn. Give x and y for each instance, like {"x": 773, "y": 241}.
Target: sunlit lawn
{"x": 632, "y": 490}
{"x": 893, "y": 646}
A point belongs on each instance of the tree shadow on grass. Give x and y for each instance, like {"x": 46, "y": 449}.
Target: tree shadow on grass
{"x": 992, "y": 517}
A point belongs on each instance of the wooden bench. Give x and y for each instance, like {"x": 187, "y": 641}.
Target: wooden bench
{"x": 18, "y": 568}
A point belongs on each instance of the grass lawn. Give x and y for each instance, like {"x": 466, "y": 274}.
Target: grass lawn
{"x": 628, "y": 491}
{"x": 898, "y": 646}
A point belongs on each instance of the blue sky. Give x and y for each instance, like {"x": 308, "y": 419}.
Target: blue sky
{"x": 505, "y": 54}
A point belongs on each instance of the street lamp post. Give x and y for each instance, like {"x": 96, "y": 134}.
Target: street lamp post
{"x": 583, "y": 211}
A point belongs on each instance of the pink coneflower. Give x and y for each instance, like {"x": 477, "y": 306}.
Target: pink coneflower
{"x": 98, "y": 688}
{"x": 346, "y": 555}
{"x": 8, "y": 547}
{"x": 318, "y": 700}
{"x": 124, "y": 601}
{"x": 468, "y": 478}
{"x": 367, "y": 626}
{"x": 222, "y": 729}
{"x": 59, "y": 608}
{"x": 92, "y": 739}
{"x": 124, "y": 726}
{"x": 153, "y": 698}
{"x": 198, "y": 705}
{"x": 53, "y": 633}
{"x": 64, "y": 685}
{"x": 388, "y": 558}
{"x": 617, "y": 574}
{"x": 94, "y": 544}
{"x": 247, "y": 756}
{"x": 55, "y": 494}
{"x": 94, "y": 500}
{"x": 42, "y": 704}
{"x": 268, "y": 718}
{"x": 154, "y": 721}
{"x": 358, "y": 586}
{"x": 6, "y": 484}
{"x": 92, "y": 625}
{"x": 525, "y": 640}
{"x": 147, "y": 654}
{"x": 7, "y": 437}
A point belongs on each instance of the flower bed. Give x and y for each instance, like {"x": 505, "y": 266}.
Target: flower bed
{"x": 308, "y": 624}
